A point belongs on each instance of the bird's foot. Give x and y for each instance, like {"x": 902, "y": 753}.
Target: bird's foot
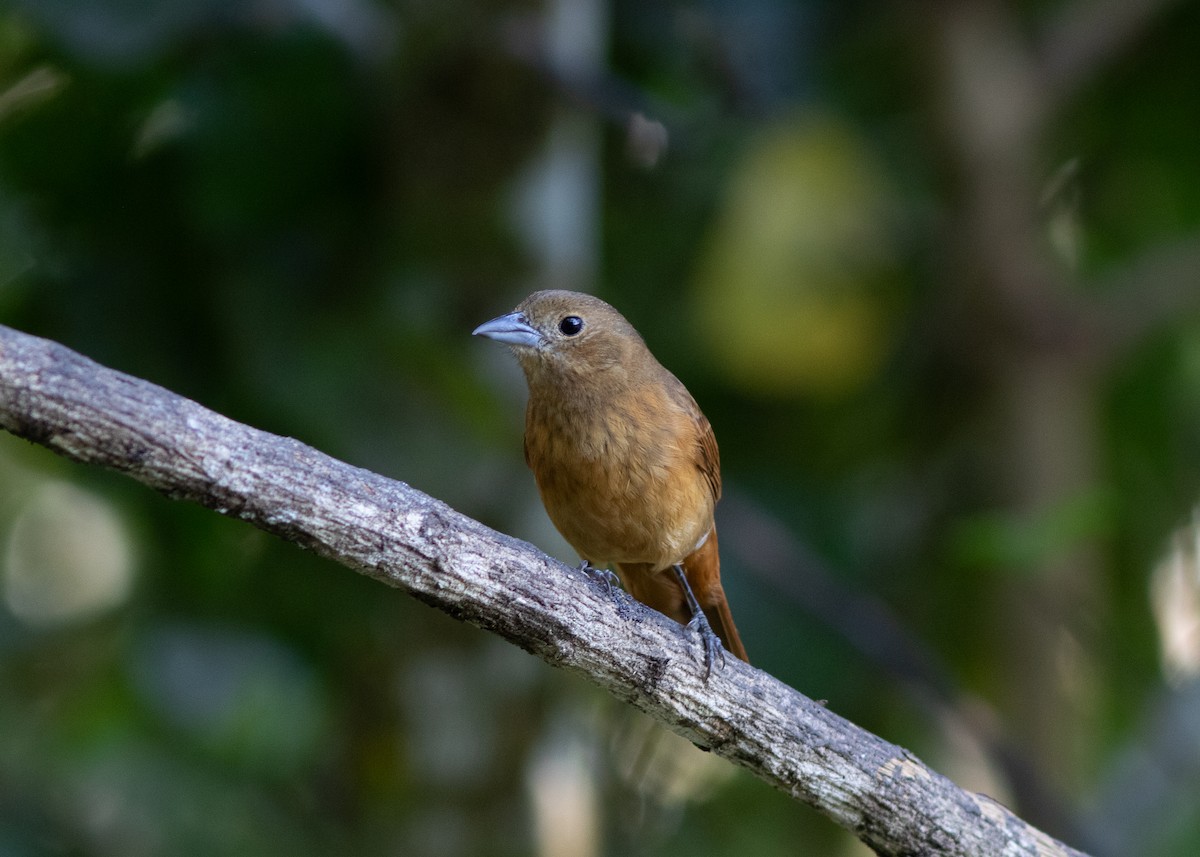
{"x": 603, "y": 575}
{"x": 713, "y": 650}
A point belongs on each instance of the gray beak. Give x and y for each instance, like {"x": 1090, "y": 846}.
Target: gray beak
{"x": 512, "y": 329}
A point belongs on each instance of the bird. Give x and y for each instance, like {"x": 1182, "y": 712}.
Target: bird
{"x": 624, "y": 460}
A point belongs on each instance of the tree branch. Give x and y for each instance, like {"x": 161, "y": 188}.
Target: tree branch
{"x": 408, "y": 540}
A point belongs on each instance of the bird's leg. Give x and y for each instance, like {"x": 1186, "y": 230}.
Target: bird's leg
{"x": 712, "y": 643}
{"x": 604, "y": 575}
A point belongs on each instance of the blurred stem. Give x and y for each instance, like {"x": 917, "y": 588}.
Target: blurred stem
{"x": 1031, "y": 328}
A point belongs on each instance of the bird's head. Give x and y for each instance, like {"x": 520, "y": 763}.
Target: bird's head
{"x": 560, "y": 334}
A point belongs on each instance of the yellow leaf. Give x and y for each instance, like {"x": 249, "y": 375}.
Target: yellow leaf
{"x": 790, "y": 289}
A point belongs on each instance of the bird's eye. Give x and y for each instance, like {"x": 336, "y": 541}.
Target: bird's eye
{"x": 570, "y": 325}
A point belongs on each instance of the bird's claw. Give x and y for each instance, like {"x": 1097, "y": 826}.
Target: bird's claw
{"x": 713, "y": 650}
{"x": 604, "y": 575}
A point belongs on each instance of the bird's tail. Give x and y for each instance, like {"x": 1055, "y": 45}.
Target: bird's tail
{"x": 703, "y": 569}
{"x": 661, "y": 590}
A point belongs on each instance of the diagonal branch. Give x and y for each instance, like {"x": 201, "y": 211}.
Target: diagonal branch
{"x": 1083, "y": 38}
{"x": 406, "y": 539}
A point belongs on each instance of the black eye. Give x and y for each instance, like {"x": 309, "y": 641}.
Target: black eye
{"x": 570, "y": 325}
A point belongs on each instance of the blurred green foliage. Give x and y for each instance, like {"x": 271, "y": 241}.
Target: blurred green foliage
{"x": 296, "y": 212}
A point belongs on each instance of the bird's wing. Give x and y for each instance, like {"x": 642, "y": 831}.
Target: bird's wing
{"x": 708, "y": 460}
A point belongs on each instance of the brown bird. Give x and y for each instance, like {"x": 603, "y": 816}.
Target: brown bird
{"x": 626, "y": 463}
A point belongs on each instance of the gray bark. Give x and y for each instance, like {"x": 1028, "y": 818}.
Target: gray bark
{"x": 410, "y": 541}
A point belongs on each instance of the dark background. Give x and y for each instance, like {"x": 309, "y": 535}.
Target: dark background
{"x": 931, "y": 269}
